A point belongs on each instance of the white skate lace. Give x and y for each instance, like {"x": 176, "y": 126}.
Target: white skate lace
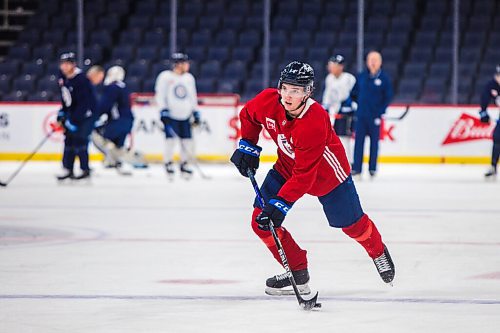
{"x": 281, "y": 276}
{"x": 382, "y": 263}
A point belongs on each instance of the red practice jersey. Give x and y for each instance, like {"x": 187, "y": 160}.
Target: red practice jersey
{"x": 310, "y": 155}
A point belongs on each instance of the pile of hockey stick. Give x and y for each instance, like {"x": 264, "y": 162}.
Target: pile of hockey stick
{"x": 305, "y": 304}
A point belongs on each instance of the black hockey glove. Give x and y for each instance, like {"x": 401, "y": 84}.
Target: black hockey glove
{"x": 196, "y": 118}
{"x": 165, "y": 117}
{"x": 61, "y": 117}
{"x": 485, "y": 117}
{"x": 246, "y": 156}
{"x": 275, "y": 210}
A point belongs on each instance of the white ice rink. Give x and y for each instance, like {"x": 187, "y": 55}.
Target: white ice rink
{"x": 141, "y": 254}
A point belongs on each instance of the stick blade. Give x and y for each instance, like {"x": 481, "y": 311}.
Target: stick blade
{"x": 3, "y": 184}
{"x": 310, "y": 303}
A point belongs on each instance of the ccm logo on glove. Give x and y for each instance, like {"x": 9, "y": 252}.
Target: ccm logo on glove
{"x": 247, "y": 149}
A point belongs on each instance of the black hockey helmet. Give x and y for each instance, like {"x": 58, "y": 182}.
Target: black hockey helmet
{"x": 179, "y": 57}
{"x": 298, "y": 74}
{"x": 67, "y": 56}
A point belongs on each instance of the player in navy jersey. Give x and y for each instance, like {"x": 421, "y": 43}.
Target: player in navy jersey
{"x": 76, "y": 116}
{"x": 491, "y": 92}
{"x": 117, "y": 118}
{"x": 311, "y": 160}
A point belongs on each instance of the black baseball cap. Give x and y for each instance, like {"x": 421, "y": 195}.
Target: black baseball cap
{"x": 179, "y": 57}
{"x": 67, "y": 56}
{"x": 338, "y": 59}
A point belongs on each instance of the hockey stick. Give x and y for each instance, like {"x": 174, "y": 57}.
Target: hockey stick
{"x": 190, "y": 155}
{"x": 407, "y": 109}
{"x": 2, "y": 184}
{"x": 305, "y": 304}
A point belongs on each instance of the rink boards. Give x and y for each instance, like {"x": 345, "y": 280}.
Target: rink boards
{"x": 413, "y": 134}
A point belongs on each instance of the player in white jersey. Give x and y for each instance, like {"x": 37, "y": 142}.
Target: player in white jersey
{"x": 176, "y": 97}
{"x": 337, "y": 100}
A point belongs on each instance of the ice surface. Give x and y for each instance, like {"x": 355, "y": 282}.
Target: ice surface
{"x": 142, "y": 254}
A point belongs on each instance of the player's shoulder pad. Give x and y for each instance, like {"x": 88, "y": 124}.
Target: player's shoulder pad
{"x": 80, "y": 76}
{"x": 316, "y": 107}
{"x": 118, "y": 84}
{"x": 264, "y": 95}
{"x": 267, "y": 93}
{"x": 350, "y": 76}
{"x": 166, "y": 73}
{"x": 111, "y": 88}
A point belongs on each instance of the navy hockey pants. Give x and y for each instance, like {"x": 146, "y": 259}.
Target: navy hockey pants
{"x": 116, "y": 131}
{"x": 181, "y": 128}
{"x": 496, "y": 145}
{"x": 341, "y": 206}
{"x": 76, "y": 144}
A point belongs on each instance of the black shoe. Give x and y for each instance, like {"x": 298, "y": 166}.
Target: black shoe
{"x": 373, "y": 173}
{"x": 385, "y": 266}
{"x": 169, "y": 168}
{"x": 186, "y": 172}
{"x": 67, "y": 174}
{"x": 281, "y": 285}
{"x": 84, "y": 175}
{"x": 491, "y": 173}
{"x": 124, "y": 169}
{"x": 356, "y": 175}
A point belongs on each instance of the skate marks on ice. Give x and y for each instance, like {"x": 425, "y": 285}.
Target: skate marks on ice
{"x": 290, "y": 298}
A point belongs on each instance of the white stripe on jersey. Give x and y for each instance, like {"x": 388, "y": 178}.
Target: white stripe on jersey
{"x": 338, "y": 163}
{"x": 334, "y": 163}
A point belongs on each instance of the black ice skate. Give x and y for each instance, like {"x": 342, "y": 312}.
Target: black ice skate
{"x": 169, "y": 168}
{"x": 67, "y": 174}
{"x": 281, "y": 285}
{"x": 491, "y": 173}
{"x": 385, "y": 266}
{"x": 186, "y": 172}
{"x": 84, "y": 175}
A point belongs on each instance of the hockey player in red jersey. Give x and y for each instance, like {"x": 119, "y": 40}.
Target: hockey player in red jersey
{"x": 312, "y": 160}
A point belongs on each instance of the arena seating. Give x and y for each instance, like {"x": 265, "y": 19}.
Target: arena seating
{"x": 224, "y": 39}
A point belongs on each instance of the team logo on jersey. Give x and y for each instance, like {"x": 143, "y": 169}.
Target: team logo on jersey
{"x": 285, "y": 146}
{"x": 66, "y": 96}
{"x": 180, "y": 91}
{"x": 270, "y": 124}
{"x": 378, "y": 82}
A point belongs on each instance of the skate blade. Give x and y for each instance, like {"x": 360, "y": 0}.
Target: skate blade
{"x": 303, "y": 290}
{"x": 124, "y": 172}
{"x": 186, "y": 176}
